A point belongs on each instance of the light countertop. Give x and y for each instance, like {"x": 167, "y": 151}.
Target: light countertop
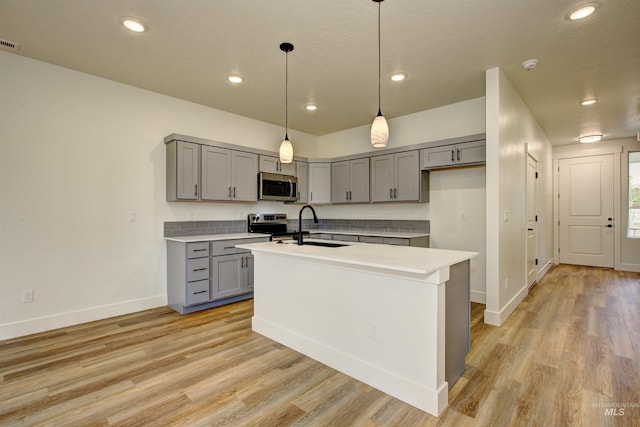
{"x": 404, "y": 259}
{"x": 210, "y": 237}
{"x": 372, "y": 233}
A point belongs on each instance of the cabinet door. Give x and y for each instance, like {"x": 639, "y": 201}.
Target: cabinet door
{"x": 227, "y": 276}
{"x": 244, "y": 176}
{"x": 302, "y": 172}
{"x": 274, "y": 165}
{"x": 319, "y": 182}
{"x": 359, "y": 180}
{"x": 471, "y": 152}
{"x": 216, "y": 173}
{"x": 407, "y": 176}
{"x": 340, "y": 182}
{"x": 438, "y": 156}
{"x": 248, "y": 272}
{"x": 269, "y": 164}
{"x": 382, "y": 178}
{"x": 188, "y": 170}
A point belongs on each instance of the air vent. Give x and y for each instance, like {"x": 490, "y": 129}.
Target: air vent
{"x": 7, "y": 45}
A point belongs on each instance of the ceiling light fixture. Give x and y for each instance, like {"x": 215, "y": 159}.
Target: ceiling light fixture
{"x": 235, "y": 79}
{"x": 589, "y": 101}
{"x": 398, "y": 77}
{"x": 582, "y": 12}
{"x": 311, "y": 107}
{"x": 530, "y": 64}
{"x": 590, "y": 138}
{"x": 133, "y": 24}
{"x": 379, "y": 127}
{"x": 286, "y": 148}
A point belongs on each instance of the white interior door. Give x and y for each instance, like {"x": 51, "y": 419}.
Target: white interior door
{"x": 532, "y": 219}
{"x": 586, "y": 210}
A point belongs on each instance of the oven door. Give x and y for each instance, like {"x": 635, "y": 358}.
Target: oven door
{"x": 272, "y": 186}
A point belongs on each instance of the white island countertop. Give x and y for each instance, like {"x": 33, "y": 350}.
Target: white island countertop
{"x": 404, "y": 259}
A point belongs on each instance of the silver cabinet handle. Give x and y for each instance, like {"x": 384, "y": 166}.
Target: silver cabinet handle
{"x": 346, "y": 194}
{"x": 395, "y": 193}
{"x": 391, "y": 193}
{"x": 195, "y": 190}
{"x": 199, "y": 292}
{"x": 311, "y": 196}
{"x": 199, "y": 250}
{"x": 458, "y": 153}
{"x": 234, "y": 192}
{"x": 229, "y": 192}
{"x": 452, "y": 158}
{"x": 200, "y": 269}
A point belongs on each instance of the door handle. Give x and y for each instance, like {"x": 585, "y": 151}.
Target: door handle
{"x": 608, "y": 225}
{"x": 609, "y": 219}
{"x": 529, "y": 229}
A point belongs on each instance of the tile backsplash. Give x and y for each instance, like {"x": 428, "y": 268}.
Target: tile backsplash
{"x": 192, "y": 228}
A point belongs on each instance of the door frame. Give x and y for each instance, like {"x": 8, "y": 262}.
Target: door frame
{"x": 587, "y": 150}
{"x": 529, "y": 155}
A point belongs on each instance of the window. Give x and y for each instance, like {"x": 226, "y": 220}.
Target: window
{"x": 633, "y": 229}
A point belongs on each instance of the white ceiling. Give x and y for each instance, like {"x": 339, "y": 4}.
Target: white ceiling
{"x": 443, "y": 46}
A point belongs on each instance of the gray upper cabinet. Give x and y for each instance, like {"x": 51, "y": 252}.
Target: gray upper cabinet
{"x": 319, "y": 183}
{"x": 183, "y": 171}
{"x": 229, "y": 174}
{"x": 274, "y": 165}
{"x": 462, "y": 154}
{"x": 350, "y": 181}
{"x": 302, "y": 173}
{"x": 397, "y": 178}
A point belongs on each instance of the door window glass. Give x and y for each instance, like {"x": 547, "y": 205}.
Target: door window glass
{"x": 633, "y": 229}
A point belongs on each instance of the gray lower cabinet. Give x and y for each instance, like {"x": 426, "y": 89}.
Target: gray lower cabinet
{"x": 207, "y": 274}
{"x": 422, "y": 241}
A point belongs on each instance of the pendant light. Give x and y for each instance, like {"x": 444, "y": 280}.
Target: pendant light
{"x": 379, "y": 127}
{"x": 286, "y": 149}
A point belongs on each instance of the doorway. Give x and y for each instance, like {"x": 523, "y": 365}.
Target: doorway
{"x": 586, "y": 211}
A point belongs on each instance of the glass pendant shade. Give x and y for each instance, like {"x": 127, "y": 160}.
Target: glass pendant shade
{"x": 286, "y": 150}
{"x": 379, "y": 132}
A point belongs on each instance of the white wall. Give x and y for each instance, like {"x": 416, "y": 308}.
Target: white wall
{"x": 78, "y": 152}
{"x": 450, "y": 121}
{"x": 510, "y": 130}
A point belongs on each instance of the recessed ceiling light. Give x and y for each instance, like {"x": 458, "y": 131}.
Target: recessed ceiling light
{"x": 582, "y": 12}
{"x": 311, "y": 107}
{"x": 235, "y": 79}
{"x": 589, "y": 101}
{"x": 530, "y": 64}
{"x": 398, "y": 77}
{"x": 590, "y": 138}
{"x": 133, "y": 24}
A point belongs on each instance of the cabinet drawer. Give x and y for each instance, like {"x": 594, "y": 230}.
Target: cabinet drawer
{"x": 396, "y": 241}
{"x": 345, "y": 237}
{"x": 371, "y": 239}
{"x": 197, "y": 292}
{"x": 197, "y": 250}
{"x": 226, "y": 247}
{"x": 197, "y": 269}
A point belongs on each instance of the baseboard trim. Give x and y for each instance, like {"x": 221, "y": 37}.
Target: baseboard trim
{"x": 497, "y": 318}
{"x": 61, "y": 320}
{"x": 478, "y": 296}
{"x": 629, "y": 267}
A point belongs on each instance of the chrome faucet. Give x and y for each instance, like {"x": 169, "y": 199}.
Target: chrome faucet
{"x": 315, "y": 219}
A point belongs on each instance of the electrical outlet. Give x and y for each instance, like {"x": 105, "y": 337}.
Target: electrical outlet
{"x": 506, "y": 216}
{"x": 373, "y": 331}
{"x": 506, "y": 284}
{"x": 27, "y": 295}
{"x": 132, "y": 216}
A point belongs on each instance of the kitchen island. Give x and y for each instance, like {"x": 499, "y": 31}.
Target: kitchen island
{"x": 396, "y": 318}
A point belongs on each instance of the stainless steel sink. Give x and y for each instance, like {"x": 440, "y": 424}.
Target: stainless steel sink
{"x": 324, "y": 244}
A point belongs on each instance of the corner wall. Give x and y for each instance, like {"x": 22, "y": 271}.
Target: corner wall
{"x": 511, "y": 130}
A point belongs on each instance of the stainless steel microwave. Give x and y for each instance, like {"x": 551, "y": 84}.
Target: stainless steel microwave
{"x": 273, "y": 186}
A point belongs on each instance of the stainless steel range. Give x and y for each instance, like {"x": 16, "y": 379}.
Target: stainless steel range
{"x": 274, "y": 224}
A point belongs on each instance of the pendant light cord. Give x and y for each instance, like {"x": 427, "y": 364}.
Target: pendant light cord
{"x": 286, "y": 97}
{"x": 379, "y": 55}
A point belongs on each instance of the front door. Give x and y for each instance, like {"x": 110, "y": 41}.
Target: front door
{"x": 532, "y": 218}
{"x": 586, "y": 210}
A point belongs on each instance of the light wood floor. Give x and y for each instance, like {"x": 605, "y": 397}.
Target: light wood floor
{"x": 570, "y": 349}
